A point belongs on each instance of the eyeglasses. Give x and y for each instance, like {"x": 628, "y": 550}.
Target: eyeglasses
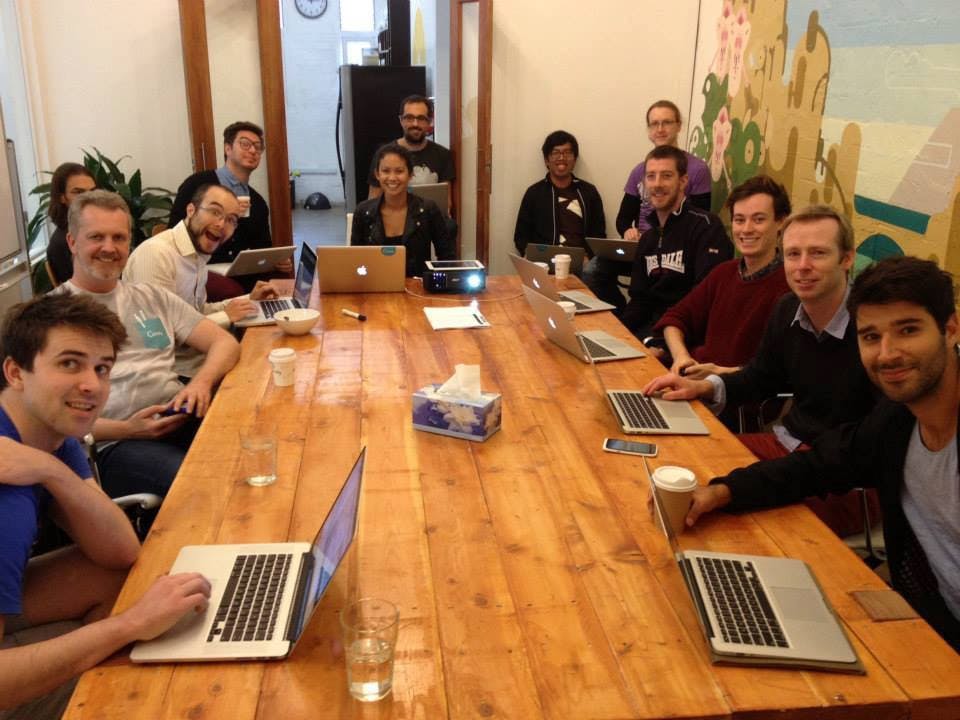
{"x": 421, "y": 119}
{"x": 661, "y": 124}
{"x": 561, "y": 154}
{"x": 218, "y": 215}
{"x": 250, "y": 145}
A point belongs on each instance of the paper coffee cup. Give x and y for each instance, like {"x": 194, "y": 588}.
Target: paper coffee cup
{"x": 284, "y": 363}
{"x": 569, "y": 308}
{"x": 244, "y": 205}
{"x": 675, "y": 486}
{"x": 561, "y": 263}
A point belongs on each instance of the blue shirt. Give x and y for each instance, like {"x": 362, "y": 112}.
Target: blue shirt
{"x": 20, "y": 508}
{"x": 230, "y": 181}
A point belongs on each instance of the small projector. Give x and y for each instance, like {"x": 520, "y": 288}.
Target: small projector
{"x": 455, "y": 276}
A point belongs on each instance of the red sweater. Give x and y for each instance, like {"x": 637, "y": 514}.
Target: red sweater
{"x": 723, "y": 317}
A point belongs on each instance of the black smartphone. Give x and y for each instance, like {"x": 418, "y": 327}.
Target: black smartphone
{"x": 629, "y": 447}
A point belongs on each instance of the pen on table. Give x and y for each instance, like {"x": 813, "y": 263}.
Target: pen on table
{"x": 353, "y": 314}
{"x": 480, "y": 319}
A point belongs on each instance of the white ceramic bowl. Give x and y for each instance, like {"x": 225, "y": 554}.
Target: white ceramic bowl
{"x": 298, "y": 321}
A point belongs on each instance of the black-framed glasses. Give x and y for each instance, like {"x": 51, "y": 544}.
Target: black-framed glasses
{"x": 661, "y": 124}
{"x": 218, "y": 214}
{"x": 561, "y": 154}
{"x": 246, "y": 144}
{"x": 421, "y": 119}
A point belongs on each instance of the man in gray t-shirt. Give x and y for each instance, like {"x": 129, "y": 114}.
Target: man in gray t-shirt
{"x": 907, "y": 331}
{"x": 149, "y": 421}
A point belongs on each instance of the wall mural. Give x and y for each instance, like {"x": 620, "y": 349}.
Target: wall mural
{"x": 861, "y": 112}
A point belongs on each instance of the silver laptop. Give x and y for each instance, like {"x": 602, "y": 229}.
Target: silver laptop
{"x": 253, "y": 262}
{"x": 757, "y": 610}
{"x": 438, "y": 192}
{"x": 538, "y": 252}
{"x": 536, "y": 278}
{"x": 590, "y": 345}
{"x": 302, "y": 286}
{"x": 616, "y": 249}
{"x": 362, "y": 268}
{"x": 640, "y": 414}
{"x": 263, "y": 594}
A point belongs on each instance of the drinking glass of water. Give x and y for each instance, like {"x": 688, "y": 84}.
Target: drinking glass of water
{"x": 258, "y": 457}
{"x": 369, "y": 639}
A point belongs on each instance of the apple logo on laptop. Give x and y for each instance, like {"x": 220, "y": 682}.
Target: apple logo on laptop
{"x": 536, "y": 283}
{"x": 552, "y": 323}
{"x": 362, "y": 271}
{"x": 620, "y": 251}
{"x": 262, "y": 262}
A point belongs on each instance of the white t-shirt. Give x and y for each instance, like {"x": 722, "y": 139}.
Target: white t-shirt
{"x": 156, "y": 321}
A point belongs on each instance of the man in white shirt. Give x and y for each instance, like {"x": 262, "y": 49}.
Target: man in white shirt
{"x": 145, "y": 446}
{"x": 176, "y": 260}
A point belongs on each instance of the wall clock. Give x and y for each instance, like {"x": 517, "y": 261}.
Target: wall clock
{"x": 311, "y": 8}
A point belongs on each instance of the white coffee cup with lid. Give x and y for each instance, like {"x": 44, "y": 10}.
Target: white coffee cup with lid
{"x": 675, "y": 486}
{"x": 284, "y": 363}
{"x": 561, "y": 264}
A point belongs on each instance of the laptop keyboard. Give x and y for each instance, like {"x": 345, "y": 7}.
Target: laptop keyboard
{"x": 639, "y": 411}
{"x": 270, "y": 307}
{"x": 743, "y": 611}
{"x": 250, "y": 603}
{"x": 595, "y": 349}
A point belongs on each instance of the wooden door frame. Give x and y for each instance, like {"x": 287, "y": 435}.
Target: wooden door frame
{"x": 206, "y": 151}
{"x": 484, "y": 103}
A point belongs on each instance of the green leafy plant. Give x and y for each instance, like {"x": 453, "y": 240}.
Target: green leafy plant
{"x": 149, "y": 206}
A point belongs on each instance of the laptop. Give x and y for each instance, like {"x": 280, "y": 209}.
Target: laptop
{"x": 362, "y": 268}
{"x": 616, "y": 249}
{"x": 536, "y": 278}
{"x": 253, "y": 262}
{"x": 591, "y": 345}
{"x": 757, "y": 610}
{"x": 302, "y": 286}
{"x": 263, "y": 594}
{"x": 537, "y": 252}
{"x": 438, "y": 192}
{"x": 640, "y": 414}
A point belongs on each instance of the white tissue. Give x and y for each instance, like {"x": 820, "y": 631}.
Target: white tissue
{"x": 464, "y": 383}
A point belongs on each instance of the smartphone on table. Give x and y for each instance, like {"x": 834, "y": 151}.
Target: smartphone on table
{"x": 629, "y": 447}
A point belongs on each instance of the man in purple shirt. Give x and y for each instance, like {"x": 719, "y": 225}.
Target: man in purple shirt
{"x": 664, "y": 123}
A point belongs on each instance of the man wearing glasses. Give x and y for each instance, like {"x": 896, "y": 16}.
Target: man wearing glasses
{"x": 561, "y": 209}
{"x": 243, "y": 147}
{"x": 664, "y": 123}
{"x": 176, "y": 260}
{"x": 432, "y": 163}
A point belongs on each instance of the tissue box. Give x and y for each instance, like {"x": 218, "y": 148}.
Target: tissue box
{"x": 468, "y": 419}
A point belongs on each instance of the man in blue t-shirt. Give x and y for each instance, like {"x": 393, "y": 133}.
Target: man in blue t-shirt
{"x": 57, "y": 353}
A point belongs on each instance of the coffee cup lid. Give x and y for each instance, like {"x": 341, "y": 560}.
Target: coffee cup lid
{"x": 672, "y": 477}
{"x": 561, "y": 256}
{"x": 282, "y": 354}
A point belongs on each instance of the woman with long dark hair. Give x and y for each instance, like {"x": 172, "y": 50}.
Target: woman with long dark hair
{"x": 69, "y": 180}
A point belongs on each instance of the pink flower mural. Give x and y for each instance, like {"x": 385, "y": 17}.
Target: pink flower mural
{"x": 722, "y": 130}
{"x": 725, "y": 24}
{"x": 741, "y": 35}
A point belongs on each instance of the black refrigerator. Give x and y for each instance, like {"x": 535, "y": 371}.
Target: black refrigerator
{"x": 369, "y": 116}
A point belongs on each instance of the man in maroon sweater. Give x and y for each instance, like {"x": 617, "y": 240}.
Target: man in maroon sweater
{"x": 717, "y": 326}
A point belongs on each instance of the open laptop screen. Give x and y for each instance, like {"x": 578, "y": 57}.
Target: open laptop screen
{"x": 305, "y": 272}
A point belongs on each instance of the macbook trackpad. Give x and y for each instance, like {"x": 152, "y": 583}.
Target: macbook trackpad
{"x": 800, "y": 604}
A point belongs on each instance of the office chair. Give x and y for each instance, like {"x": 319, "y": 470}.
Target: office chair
{"x": 137, "y": 506}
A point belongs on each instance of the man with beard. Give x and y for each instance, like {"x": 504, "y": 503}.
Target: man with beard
{"x": 176, "y": 260}
{"x": 907, "y": 447}
{"x": 432, "y": 163}
{"x": 141, "y": 447}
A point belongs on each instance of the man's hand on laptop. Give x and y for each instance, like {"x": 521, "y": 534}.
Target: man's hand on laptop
{"x": 168, "y": 599}
{"x": 240, "y": 308}
{"x": 284, "y": 267}
{"x": 699, "y": 371}
{"x": 673, "y": 387}
{"x": 263, "y": 291}
{"x": 707, "y": 499}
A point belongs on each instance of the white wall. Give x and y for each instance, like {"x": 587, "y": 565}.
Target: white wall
{"x": 311, "y": 51}
{"x": 108, "y": 74}
{"x": 234, "y": 51}
{"x": 591, "y": 69}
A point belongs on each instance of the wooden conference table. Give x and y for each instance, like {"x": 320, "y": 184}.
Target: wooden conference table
{"x": 530, "y": 580}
